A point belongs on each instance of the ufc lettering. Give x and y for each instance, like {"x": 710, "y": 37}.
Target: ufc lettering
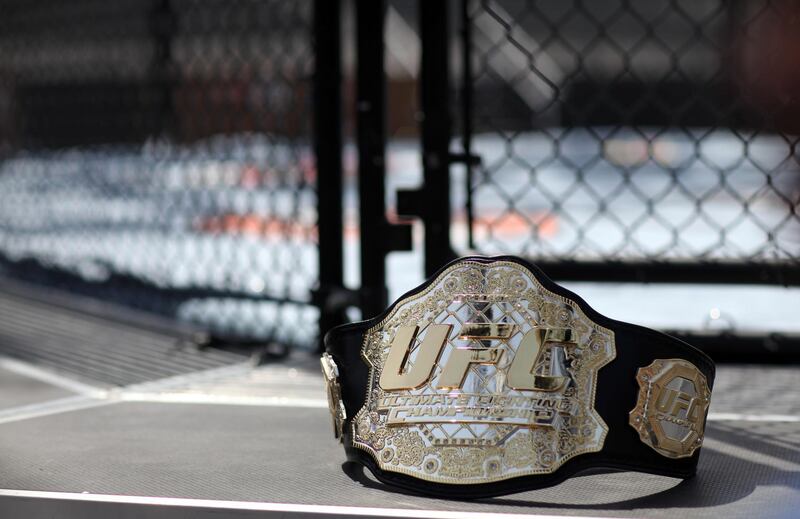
{"x": 397, "y": 374}
{"x": 671, "y": 402}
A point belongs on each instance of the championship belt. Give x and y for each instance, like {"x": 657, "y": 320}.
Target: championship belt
{"x": 489, "y": 378}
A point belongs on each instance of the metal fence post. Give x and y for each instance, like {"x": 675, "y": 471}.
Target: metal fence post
{"x": 163, "y": 28}
{"x": 378, "y": 236}
{"x": 328, "y": 151}
{"x": 431, "y": 202}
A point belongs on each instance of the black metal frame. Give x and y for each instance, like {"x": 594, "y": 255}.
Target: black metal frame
{"x": 431, "y": 202}
{"x": 378, "y": 236}
{"x": 328, "y": 150}
{"x": 673, "y": 272}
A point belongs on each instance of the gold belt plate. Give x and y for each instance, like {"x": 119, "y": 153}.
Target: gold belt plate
{"x": 485, "y": 375}
{"x": 670, "y": 412}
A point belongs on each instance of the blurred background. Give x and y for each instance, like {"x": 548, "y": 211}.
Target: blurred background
{"x": 249, "y": 173}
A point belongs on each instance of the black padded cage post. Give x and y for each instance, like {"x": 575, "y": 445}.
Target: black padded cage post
{"x": 431, "y": 201}
{"x": 378, "y": 237}
{"x": 330, "y": 295}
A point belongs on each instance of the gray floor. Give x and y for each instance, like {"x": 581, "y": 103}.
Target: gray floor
{"x": 285, "y": 454}
{"x": 19, "y": 390}
{"x": 94, "y": 348}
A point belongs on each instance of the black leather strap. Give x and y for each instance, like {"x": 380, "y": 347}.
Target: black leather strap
{"x": 617, "y": 391}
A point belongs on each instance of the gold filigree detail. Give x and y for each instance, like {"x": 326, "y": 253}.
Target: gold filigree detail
{"x": 410, "y": 446}
{"x": 520, "y": 451}
{"x": 463, "y": 463}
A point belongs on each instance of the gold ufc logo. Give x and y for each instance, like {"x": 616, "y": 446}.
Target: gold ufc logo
{"x": 398, "y": 375}
{"x": 671, "y": 402}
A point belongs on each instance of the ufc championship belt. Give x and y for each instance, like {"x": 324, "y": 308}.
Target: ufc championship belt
{"x": 490, "y": 378}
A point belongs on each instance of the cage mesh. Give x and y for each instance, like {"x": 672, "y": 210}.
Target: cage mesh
{"x": 615, "y": 130}
{"x": 157, "y": 154}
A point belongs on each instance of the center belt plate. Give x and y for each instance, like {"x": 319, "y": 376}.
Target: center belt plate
{"x": 483, "y": 376}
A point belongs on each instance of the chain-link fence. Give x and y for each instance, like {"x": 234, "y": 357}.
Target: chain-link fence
{"x": 157, "y": 154}
{"x": 647, "y": 131}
